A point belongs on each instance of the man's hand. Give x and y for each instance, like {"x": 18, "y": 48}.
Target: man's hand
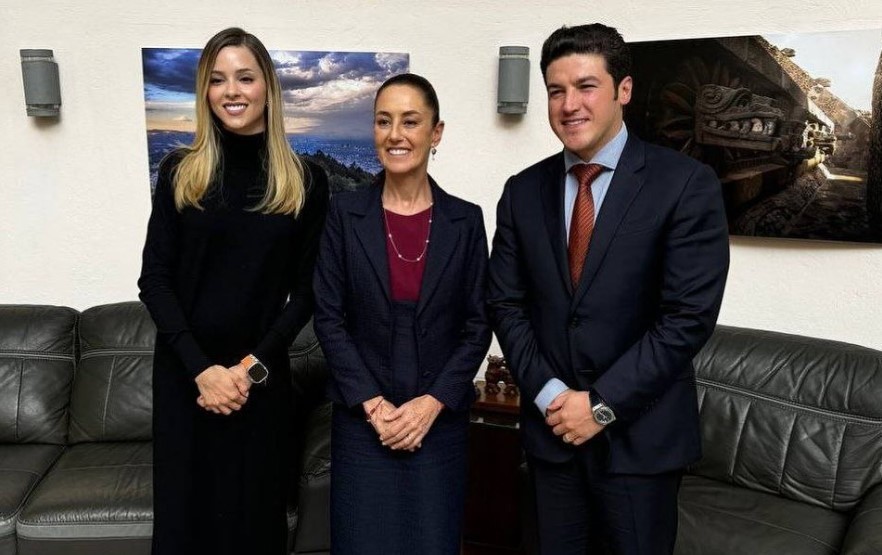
{"x": 408, "y": 424}
{"x": 570, "y": 417}
{"x": 222, "y": 390}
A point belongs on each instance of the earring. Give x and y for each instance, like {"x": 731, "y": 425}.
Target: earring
{"x": 434, "y": 150}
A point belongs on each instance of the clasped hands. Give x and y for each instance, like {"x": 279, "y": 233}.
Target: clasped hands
{"x": 223, "y": 390}
{"x": 404, "y": 427}
{"x": 571, "y": 418}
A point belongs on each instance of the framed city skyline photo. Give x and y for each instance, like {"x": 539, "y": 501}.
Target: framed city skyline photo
{"x": 790, "y": 124}
{"x": 328, "y": 100}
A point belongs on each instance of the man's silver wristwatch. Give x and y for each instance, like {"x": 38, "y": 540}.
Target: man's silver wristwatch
{"x": 603, "y": 415}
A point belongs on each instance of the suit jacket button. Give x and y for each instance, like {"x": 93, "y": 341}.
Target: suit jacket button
{"x": 574, "y": 322}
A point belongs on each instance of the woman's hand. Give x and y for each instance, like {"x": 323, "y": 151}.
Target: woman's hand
{"x": 375, "y": 410}
{"x": 243, "y": 382}
{"x": 406, "y": 426}
{"x": 222, "y": 390}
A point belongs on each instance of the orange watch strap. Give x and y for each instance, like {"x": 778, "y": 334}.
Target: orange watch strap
{"x": 249, "y": 361}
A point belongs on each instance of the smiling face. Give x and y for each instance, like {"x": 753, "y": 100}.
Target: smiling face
{"x": 584, "y": 105}
{"x": 237, "y": 91}
{"x": 403, "y": 130}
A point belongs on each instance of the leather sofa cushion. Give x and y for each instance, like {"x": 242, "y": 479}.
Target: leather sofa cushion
{"x": 309, "y": 371}
{"x": 791, "y": 415}
{"x": 863, "y": 537}
{"x": 291, "y": 518}
{"x": 309, "y": 514}
{"x": 36, "y": 370}
{"x": 102, "y": 546}
{"x": 21, "y": 466}
{"x": 112, "y": 393}
{"x": 722, "y": 519}
{"x": 96, "y": 490}
{"x": 316, "y": 456}
{"x": 313, "y": 530}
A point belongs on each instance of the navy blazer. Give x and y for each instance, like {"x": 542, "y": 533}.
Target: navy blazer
{"x": 647, "y": 301}
{"x": 353, "y": 306}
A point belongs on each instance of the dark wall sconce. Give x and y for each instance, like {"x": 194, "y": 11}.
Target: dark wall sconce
{"x": 39, "y": 73}
{"x": 514, "y": 80}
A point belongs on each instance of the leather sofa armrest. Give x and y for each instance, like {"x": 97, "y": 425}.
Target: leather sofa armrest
{"x": 864, "y": 536}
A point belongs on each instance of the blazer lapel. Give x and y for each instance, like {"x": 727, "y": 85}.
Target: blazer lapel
{"x": 626, "y": 184}
{"x": 552, "y": 207}
{"x": 369, "y": 230}
{"x": 443, "y": 239}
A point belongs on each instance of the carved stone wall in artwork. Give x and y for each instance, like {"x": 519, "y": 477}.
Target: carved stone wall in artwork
{"x": 723, "y": 101}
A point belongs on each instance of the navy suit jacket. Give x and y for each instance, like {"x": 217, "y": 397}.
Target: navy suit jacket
{"x": 353, "y": 313}
{"x": 647, "y": 300}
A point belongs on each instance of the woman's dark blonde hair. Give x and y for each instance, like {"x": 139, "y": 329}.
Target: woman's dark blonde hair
{"x": 199, "y": 166}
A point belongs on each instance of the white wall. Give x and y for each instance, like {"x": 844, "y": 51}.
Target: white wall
{"x": 74, "y": 195}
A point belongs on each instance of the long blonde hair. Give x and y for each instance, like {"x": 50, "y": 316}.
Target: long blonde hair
{"x": 285, "y": 190}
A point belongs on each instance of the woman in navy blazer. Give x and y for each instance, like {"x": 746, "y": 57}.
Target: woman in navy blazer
{"x": 399, "y": 287}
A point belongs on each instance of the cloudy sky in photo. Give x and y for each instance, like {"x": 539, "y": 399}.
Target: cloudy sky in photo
{"x": 847, "y": 58}
{"x": 326, "y": 94}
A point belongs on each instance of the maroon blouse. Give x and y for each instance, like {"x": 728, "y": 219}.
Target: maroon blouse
{"x": 406, "y": 250}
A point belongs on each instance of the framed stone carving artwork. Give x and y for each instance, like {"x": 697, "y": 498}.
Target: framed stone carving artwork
{"x": 328, "y": 106}
{"x": 790, "y": 123}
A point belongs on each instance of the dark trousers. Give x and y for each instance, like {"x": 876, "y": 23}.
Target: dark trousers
{"x": 582, "y": 509}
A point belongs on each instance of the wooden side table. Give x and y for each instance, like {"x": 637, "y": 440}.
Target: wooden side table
{"x": 493, "y": 497}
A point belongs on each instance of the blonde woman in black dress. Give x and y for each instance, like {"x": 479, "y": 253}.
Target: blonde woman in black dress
{"x": 226, "y": 275}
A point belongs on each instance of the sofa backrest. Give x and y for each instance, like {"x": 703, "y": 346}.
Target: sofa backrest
{"x": 112, "y": 393}
{"x": 309, "y": 372}
{"x": 791, "y": 415}
{"x": 113, "y": 390}
{"x": 36, "y": 370}
{"x": 71, "y": 377}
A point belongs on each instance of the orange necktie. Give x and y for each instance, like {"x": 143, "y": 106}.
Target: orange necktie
{"x": 582, "y": 222}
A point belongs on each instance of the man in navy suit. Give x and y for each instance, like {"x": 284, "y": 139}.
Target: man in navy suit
{"x": 605, "y": 281}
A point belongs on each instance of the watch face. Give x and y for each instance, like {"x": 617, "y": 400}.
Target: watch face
{"x": 257, "y": 373}
{"x": 604, "y": 415}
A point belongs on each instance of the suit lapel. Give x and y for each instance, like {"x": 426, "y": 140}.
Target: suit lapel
{"x": 369, "y": 230}
{"x": 552, "y": 207}
{"x": 443, "y": 240}
{"x": 626, "y": 184}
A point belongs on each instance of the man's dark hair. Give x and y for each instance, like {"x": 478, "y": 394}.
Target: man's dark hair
{"x": 595, "y": 38}
{"x": 419, "y": 83}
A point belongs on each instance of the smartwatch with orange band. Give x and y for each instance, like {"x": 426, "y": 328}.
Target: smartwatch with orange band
{"x": 257, "y": 372}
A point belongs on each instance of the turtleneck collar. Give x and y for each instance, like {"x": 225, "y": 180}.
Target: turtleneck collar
{"x": 243, "y": 148}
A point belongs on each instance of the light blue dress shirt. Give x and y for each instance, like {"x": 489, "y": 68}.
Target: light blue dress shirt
{"x": 608, "y": 157}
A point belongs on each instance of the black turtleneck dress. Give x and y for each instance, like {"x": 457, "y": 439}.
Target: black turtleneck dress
{"x": 220, "y": 283}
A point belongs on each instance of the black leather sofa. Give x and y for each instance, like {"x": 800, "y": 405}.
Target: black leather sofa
{"x": 792, "y": 440}
{"x": 791, "y": 428}
{"x": 792, "y": 437}
{"x": 75, "y": 433}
